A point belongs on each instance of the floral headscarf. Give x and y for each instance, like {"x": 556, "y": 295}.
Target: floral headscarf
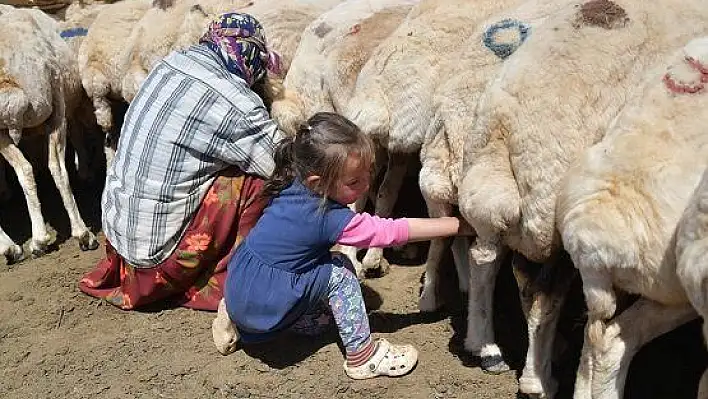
{"x": 240, "y": 42}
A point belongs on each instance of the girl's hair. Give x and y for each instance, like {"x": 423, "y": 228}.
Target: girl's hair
{"x": 320, "y": 147}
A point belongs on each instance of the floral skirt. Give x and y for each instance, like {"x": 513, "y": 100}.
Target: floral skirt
{"x": 193, "y": 276}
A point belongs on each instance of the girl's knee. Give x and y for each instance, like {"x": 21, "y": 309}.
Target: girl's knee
{"x": 342, "y": 260}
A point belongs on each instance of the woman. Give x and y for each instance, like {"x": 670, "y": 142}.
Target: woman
{"x": 184, "y": 187}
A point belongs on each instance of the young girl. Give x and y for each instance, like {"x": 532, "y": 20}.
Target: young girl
{"x": 283, "y": 272}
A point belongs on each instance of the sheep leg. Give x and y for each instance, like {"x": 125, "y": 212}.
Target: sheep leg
{"x": 13, "y": 252}
{"x": 428, "y": 298}
{"x": 57, "y": 167}
{"x": 385, "y": 201}
{"x": 25, "y": 176}
{"x": 542, "y": 298}
{"x": 81, "y": 153}
{"x": 613, "y": 344}
{"x": 692, "y": 266}
{"x": 485, "y": 257}
{"x": 703, "y": 384}
{"x": 348, "y": 251}
{"x": 104, "y": 117}
{"x": 460, "y": 248}
{"x": 5, "y": 192}
{"x": 602, "y": 303}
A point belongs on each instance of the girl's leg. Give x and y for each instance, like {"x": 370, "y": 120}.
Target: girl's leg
{"x": 347, "y": 304}
{"x": 365, "y": 358}
{"x": 315, "y": 322}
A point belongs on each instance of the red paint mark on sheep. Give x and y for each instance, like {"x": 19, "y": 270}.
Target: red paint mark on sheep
{"x": 688, "y": 88}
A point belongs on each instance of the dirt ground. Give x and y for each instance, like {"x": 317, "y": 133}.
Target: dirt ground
{"x": 56, "y": 342}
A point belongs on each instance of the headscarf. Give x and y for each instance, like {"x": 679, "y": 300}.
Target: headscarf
{"x": 240, "y": 42}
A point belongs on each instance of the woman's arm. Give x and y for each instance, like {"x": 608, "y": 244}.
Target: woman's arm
{"x": 248, "y": 141}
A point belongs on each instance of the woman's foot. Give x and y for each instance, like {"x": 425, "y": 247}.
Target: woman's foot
{"x": 386, "y": 360}
{"x": 223, "y": 331}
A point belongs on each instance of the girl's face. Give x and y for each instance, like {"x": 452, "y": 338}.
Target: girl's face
{"x": 354, "y": 181}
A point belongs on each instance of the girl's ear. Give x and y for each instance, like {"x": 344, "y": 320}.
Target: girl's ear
{"x": 312, "y": 182}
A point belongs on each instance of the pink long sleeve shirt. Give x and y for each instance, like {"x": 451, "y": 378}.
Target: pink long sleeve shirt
{"x": 369, "y": 231}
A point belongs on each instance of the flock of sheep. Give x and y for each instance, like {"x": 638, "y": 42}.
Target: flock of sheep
{"x": 573, "y": 133}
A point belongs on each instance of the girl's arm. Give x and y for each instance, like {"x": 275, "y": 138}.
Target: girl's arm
{"x": 368, "y": 231}
{"x": 428, "y": 229}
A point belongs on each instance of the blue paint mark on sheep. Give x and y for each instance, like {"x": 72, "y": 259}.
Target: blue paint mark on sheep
{"x": 503, "y": 50}
{"x": 73, "y": 32}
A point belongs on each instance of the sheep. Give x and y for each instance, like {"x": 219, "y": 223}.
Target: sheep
{"x": 157, "y": 33}
{"x": 39, "y": 87}
{"x": 77, "y": 19}
{"x": 455, "y": 103}
{"x": 332, "y": 50}
{"x": 550, "y": 101}
{"x": 284, "y": 22}
{"x": 103, "y": 59}
{"x": 390, "y": 102}
{"x": 691, "y": 251}
{"x": 620, "y": 205}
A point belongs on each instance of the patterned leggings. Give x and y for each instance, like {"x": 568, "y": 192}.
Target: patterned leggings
{"x": 346, "y": 303}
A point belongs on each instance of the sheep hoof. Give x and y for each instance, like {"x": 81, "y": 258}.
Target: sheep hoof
{"x": 377, "y": 269}
{"x": 38, "y": 249}
{"x": 493, "y": 364}
{"x": 15, "y": 255}
{"x": 88, "y": 241}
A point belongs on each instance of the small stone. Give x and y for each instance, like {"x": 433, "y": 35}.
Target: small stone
{"x": 14, "y": 297}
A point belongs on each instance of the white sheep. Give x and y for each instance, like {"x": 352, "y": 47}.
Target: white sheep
{"x": 551, "y": 100}
{"x": 77, "y": 19}
{"x": 455, "y": 104}
{"x": 39, "y": 88}
{"x": 103, "y": 60}
{"x": 620, "y": 205}
{"x": 332, "y": 51}
{"x": 284, "y": 21}
{"x": 692, "y": 252}
{"x": 391, "y": 101}
{"x": 161, "y": 31}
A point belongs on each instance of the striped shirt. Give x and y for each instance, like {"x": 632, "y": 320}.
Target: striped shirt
{"x": 190, "y": 119}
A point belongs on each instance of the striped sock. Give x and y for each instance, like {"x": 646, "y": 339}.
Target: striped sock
{"x": 362, "y": 355}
